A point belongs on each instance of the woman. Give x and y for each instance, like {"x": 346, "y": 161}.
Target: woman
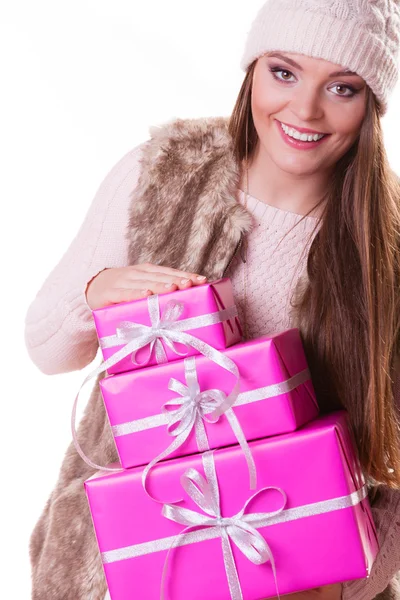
{"x": 318, "y": 220}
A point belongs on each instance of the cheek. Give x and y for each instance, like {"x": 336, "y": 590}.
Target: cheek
{"x": 347, "y": 118}
{"x": 259, "y": 99}
{"x": 351, "y": 127}
{"x": 264, "y": 101}
{"x": 264, "y": 95}
{"x": 347, "y": 130}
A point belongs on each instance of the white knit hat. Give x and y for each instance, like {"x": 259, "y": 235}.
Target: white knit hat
{"x": 361, "y": 35}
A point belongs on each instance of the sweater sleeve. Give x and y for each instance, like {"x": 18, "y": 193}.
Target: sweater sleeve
{"x": 60, "y": 335}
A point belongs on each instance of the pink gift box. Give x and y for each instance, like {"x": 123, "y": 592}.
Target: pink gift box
{"x": 134, "y": 400}
{"x": 198, "y": 300}
{"x": 313, "y": 465}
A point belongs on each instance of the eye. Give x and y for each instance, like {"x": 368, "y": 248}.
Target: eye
{"x": 352, "y": 90}
{"x": 275, "y": 70}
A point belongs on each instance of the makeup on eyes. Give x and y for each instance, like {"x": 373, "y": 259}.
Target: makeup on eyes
{"x": 278, "y": 68}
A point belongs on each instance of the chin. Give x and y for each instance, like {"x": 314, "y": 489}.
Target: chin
{"x": 296, "y": 166}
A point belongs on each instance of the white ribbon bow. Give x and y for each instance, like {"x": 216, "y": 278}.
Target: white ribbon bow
{"x": 168, "y": 327}
{"x": 194, "y": 406}
{"x": 151, "y": 335}
{"x": 171, "y": 331}
{"x": 239, "y": 529}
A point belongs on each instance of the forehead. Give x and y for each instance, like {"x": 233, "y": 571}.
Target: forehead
{"x": 304, "y": 62}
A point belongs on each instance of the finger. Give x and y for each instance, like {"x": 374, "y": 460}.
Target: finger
{"x": 118, "y": 295}
{"x": 172, "y": 274}
{"x": 157, "y": 287}
{"x": 160, "y": 279}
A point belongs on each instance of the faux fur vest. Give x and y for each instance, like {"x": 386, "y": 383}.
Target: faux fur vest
{"x": 184, "y": 214}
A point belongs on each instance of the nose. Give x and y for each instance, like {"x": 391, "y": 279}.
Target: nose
{"x": 306, "y": 104}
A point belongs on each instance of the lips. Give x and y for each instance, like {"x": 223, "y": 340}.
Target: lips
{"x": 298, "y": 144}
{"x": 303, "y": 129}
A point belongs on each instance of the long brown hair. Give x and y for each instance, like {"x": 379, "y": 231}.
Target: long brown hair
{"x": 348, "y": 313}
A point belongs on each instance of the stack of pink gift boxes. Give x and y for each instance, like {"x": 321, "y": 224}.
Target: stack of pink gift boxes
{"x": 230, "y": 485}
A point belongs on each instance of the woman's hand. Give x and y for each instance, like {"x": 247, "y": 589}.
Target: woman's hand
{"x": 125, "y": 284}
{"x": 328, "y": 592}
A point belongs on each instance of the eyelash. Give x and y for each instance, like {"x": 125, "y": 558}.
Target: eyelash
{"x": 274, "y": 70}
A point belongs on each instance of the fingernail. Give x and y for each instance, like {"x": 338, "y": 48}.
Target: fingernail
{"x": 185, "y": 281}
{"x": 144, "y": 292}
{"x": 201, "y": 277}
{"x": 169, "y": 285}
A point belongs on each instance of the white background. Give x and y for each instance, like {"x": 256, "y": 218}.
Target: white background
{"x": 81, "y": 82}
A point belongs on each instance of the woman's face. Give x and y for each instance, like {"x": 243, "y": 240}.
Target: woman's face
{"x": 306, "y": 93}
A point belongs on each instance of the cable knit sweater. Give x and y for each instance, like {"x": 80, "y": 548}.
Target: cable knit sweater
{"x": 60, "y": 335}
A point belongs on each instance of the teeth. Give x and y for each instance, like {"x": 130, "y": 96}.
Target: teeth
{"x": 303, "y": 137}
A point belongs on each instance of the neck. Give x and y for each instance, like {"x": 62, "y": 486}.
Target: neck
{"x": 297, "y": 193}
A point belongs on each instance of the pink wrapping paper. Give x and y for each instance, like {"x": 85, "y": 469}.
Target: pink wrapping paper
{"x": 262, "y": 362}
{"x": 199, "y": 300}
{"x": 313, "y": 464}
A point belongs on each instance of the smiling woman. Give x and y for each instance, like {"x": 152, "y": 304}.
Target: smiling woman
{"x": 293, "y": 198}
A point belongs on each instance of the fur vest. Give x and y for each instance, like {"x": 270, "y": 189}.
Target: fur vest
{"x": 184, "y": 214}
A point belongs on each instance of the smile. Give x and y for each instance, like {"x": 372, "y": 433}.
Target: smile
{"x": 303, "y": 136}
{"x": 299, "y": 140}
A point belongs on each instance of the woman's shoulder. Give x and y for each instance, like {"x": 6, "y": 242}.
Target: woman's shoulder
{"x": 187, "y": 137}
{"x": 181, "y": 138}
{"x": 129, "y": 159}
{"x": 180, "y": 128}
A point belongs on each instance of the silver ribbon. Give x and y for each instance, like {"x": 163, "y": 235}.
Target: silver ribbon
{"x": 170, "y": 331}
{"x": 261, "y": 393}
{"x": 241, "y": 528}
{"x": 194, "y": 406}
{"x": 161, "y": 328}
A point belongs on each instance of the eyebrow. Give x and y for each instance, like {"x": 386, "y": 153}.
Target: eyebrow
{"x": 297, "y": 66}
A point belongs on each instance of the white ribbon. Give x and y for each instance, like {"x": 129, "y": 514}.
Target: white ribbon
{"x": 238, "y": 529}
{"x": 194, "y": 406}
{"x": 170, "y": 331}
{"x": 241, "y": 528}
{"x": 256, "y": 395}
{"x": 162, "y": 328}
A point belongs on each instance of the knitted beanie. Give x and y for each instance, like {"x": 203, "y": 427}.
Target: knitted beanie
{"x": 361, "y": 35}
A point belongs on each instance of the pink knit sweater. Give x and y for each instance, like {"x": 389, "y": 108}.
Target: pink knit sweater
{"x": 60, "y": 335}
